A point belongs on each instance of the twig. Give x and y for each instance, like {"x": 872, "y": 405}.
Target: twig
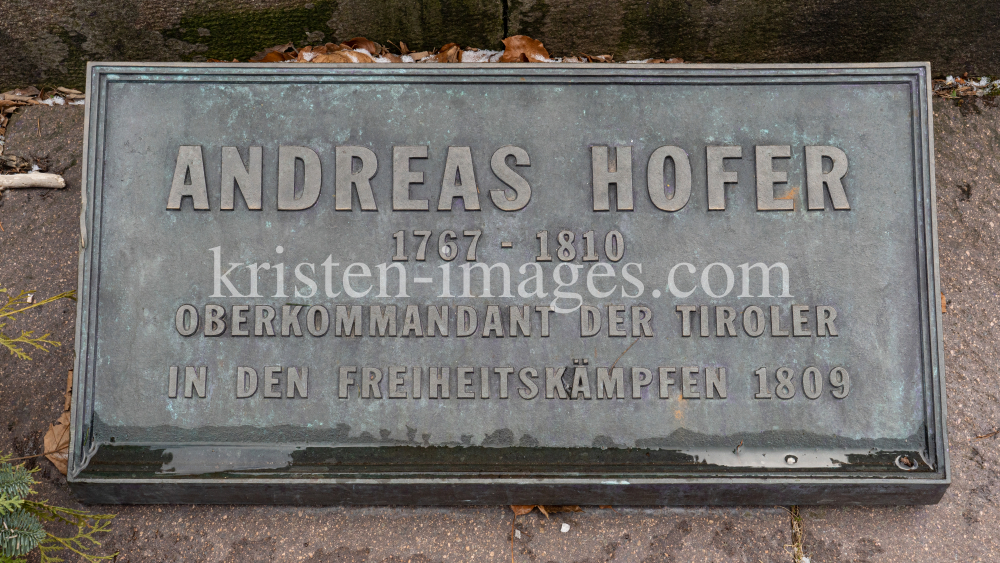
{"x": 38, "y": 455}
{"x": 623, "y": 353}
{"x": 989, "y": 435}
{"x": 31, "y": 180}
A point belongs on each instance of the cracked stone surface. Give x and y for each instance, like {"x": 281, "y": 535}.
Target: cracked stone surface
{"x": 39, "y": 241}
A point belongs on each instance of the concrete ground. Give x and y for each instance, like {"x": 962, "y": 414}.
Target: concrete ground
{"x": 38, "y": 250}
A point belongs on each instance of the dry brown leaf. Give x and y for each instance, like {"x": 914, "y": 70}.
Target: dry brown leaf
{"x": 334, "y": 47}
{"x": 605, "y": 506}
{"x": 343, "y": 57}
{"x": 273, "y": 58}
{"x": 362, "y": 43}
{"x": 57, "y": 443}
{"x": 11, "y": 103}
{"x": 392, "y": 58}
{"x": 521, "y": 48}
{"x": 450, "y": 53}
{"x": 330, "y": 58}
{"x": 403, "y": 49}
{"x": 280, "y": 49}
{"x": 68, "y": 90}
{"x": 573, "y": 60}
{"x": 302, "y": 55}
{"x": 357, "y": 57}
{"x": 675, "y": 60}
{"x": 522, "y": 509}
{"x": 599, "y": 58}
{"x": 562, "y": 508}
{"x": 419, "y": 55}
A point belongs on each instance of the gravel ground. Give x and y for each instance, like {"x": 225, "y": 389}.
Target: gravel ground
{"x": 40, "y": 240}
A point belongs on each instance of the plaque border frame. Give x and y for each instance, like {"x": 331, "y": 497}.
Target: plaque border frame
{"x": 719, "y": 489}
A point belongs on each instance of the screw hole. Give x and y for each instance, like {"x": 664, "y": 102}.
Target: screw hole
{"x": 906, "y": 463}
{"x": 791, "y": 460}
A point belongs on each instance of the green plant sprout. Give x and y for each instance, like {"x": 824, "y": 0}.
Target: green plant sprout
{"x": 19, "y": 304}
{"x": 21, "y": 528}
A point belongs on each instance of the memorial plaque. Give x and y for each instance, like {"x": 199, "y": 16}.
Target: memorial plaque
{"x": 446, "y": 284}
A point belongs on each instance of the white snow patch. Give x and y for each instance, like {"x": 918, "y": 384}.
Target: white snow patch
{"x": 407, "y": 59}
{"x": 564, "y": 528}
{"x": 308, "y": 56}
{"x": 35, "y": 169}
{"x": 482, "y": 56}
{"x": 643, "y": 61}
{"x": 53, "y": 100}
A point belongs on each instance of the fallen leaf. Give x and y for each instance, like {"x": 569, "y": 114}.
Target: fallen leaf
{"x": 403, "y": 49}
{"x": 358, "y": 56}
{"x": 29, "y": 91}
{"x": 372, "y": 47}
{"x": 675, "y": 60}
{"x": 419, "y": 55}
{"x": 279, "y": 49}
{"x": 522, "y": 509}
{"x": 273, "y": 58}
{"x": 392, "y": 58}
{"x": 521, "y": 48}
{"x": 599, "y": 58}
{"x": 605, "y": 506}
{"x": 573, "y": 60}
{"x": 542, "y": 510}
{"x": 305, "y": 54}
{"x": 450, "y": 53}
{"x": 334, "y": 47}
{"x": 68, "y": 90}
{"x": 57, "y": 442}
{"x": 343, "y": 57}
{"x": 563, "y": 508}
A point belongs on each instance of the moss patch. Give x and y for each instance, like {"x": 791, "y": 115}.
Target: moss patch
{"x": 239, "y": 35}
{"x": 74, "y": 66}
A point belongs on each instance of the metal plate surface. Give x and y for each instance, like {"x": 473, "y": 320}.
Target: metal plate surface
{"x": 433, "y": 284}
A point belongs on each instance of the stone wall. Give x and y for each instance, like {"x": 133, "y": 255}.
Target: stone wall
{"x": 47, "y": 42}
